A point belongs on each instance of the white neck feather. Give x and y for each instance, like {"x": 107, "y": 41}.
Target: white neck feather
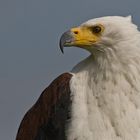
{"x": 106, "y": 95}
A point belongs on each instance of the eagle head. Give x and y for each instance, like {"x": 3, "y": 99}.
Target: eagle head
{"x": 100, "y": 33}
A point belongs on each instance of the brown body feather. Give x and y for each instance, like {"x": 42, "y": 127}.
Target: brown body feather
{"x": 46, "y": 120}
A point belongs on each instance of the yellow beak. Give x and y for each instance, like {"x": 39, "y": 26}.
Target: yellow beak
{"x": 80, "y": 37}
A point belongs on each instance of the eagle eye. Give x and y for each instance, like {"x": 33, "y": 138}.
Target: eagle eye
{"x": 96, "y": 29}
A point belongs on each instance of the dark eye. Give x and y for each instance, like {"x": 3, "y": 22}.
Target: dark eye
{"x": 96, "y": 29}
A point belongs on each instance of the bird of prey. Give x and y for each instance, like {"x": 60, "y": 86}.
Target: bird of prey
{"x": 100, "y": 98}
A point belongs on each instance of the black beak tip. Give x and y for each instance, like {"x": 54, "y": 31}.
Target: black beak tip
{"x": 61, "y": 47}
{"x": 62, "y": 50}
{"x": 66, "y": 37}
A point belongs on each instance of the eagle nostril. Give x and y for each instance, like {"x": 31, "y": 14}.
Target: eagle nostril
{"x": 76, "y": 32}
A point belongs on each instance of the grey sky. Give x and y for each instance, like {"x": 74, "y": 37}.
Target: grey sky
{"x": 29, "y": 54}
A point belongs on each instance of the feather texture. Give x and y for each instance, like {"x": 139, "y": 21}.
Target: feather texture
{"x": 46, "y": 120}
{"x": 106, "y": 86}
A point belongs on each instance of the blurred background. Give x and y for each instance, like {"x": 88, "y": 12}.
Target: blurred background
{"x": 29, "y": 52}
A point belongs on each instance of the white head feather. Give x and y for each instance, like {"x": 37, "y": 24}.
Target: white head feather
{"x": 106, "y": 85}
{"x": 117, "y": 30}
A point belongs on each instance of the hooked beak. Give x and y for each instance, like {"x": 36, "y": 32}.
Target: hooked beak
{"x": 66, "y": 39}
{"x": 81, "y": 37}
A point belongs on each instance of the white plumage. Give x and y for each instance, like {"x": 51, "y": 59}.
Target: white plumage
{"x": 106, "y": 85}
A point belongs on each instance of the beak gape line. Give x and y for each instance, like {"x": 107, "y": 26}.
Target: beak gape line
{"x": 66, "y": 39}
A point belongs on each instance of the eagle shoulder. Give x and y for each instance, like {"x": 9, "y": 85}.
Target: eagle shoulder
{"x": 47, "y": 118}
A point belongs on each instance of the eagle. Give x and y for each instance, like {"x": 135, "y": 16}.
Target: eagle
{"x": 99, "y": 99}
